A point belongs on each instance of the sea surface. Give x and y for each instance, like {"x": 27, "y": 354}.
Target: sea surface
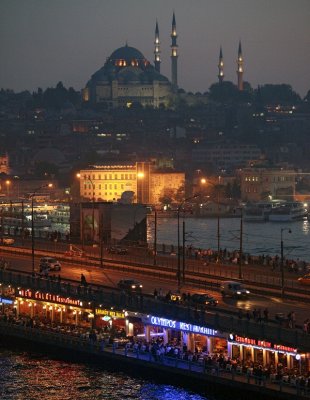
{"x": 34, "y": 376}
{"x": 258, "y": 237}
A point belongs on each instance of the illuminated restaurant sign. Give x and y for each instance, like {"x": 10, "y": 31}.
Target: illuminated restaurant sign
{"x": 182, "y": 326}
{"x": 263, "y": 344}
{"x": 53, "y": 298}
{"x": 111, "y": 313}
{"x": 4, "y": 300}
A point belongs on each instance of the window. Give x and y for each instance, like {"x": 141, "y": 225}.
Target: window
{"x": 115, "y": 186}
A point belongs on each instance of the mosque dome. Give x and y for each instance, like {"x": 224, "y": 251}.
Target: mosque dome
{"x": 127, "y": 76}
{"x": 126, "y": 53}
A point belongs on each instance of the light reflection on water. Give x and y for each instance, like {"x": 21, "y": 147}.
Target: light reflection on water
{"x": 25, "y": 376}
{"x": 258, "y": 238}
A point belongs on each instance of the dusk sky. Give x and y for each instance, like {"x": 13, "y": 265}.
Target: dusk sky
{"x": 43, "y": 42}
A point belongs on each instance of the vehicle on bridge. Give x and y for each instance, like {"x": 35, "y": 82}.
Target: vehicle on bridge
{"x": 117, "y": 250}
{"x": 7, "y": 241}
{"x": 234, "y": 289}
{"x": 130, "y": 285}
{"x": 304, "y": 280}
{"x": 203, "y": 299}
{"x": 49, "y": 264}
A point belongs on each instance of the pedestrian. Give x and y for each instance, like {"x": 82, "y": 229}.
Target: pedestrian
{"x": 266, "y": 314}
{"x": 259, "y": 315}
{"x": 240, "y": 314}
{"x": 248, "y": 315}
{"x": 155, "y": 293}
{"x": 83, "y": 280}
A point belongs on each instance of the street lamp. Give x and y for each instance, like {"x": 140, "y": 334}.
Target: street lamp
{"x": 282, "y": 260}
{"x": 241, "y": 243}
{"x": 204, "y": 181}
{"x": 8, "y": 183}
{"x": 32, "y": 221}
{"x": 179, "y": 252}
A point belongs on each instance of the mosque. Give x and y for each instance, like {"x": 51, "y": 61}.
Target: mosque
{"x": 127, "y": 77}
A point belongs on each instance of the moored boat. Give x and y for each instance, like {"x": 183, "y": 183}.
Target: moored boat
{"x": 289, "y": 211}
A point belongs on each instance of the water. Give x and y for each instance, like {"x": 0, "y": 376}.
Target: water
{"x": 35, "y": 377}
{"x": 258, "y": 238}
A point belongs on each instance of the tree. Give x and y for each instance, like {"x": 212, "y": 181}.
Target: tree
{"x": 225, "y": 92}
{"x": 278, "y": 94}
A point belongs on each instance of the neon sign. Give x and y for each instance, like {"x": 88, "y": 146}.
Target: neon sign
{"x": 54, "y": 298}
{"x": 182, "y": 326}
{"x": 111, "y": 313}
{"x": 262, "y": 344}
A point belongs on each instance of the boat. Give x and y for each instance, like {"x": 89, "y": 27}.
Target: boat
{"x": 289, "y": 211}
{"x": 260, "y": 211}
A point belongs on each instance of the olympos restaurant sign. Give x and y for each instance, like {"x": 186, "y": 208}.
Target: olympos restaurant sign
{"x": 181, "y": 326}
{"x": 53, "y": 298}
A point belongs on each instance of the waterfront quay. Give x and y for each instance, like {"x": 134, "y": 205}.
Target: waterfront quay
{"x": 145, "y": 331}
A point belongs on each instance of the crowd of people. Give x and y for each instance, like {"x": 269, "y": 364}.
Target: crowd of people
{"x": 158, "y": 350}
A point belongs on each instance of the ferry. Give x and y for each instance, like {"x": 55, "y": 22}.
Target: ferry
{"x": 259, "y": 212}
{"x": 289, "y": 211}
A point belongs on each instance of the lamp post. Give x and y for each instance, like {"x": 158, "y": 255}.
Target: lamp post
{"x": 8, "y": 183}
{"x": 241, "y": 243}
{"x": 179, "y": 252}
{"x": 155, "y": 238}
{"x": 282, "y": 259}
{"x": 32, "y": 221}
{"x": 204, "y": 181}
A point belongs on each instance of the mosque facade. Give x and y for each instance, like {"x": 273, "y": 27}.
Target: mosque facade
{"x": 127, "y": 77}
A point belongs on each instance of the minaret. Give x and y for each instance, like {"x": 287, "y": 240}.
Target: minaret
{"x": 221, "y": 67}
{"x": 240, "y": 68}
{"x": 157, "y": 49}
{"x": 174, "y": 54}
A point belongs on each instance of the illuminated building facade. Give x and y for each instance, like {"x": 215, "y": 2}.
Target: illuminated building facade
{"x": 130, "y": 183}
{"x": 170, "y": 184}
{"x": 260, "y": 183}
{"x": 114, "y": 182}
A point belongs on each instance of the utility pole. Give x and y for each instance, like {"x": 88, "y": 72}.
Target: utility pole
{"x": 241, "y": 249}
{"x": 155, "y": 238}
{"x": 183, "y": 253}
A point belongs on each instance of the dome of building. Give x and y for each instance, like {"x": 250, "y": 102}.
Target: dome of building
{"x": 126, "y": 77}
{"x": 127, "y": 54}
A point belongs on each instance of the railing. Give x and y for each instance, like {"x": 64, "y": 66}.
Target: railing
{"x": 99, "y": 295}
{"x": 211, "y": 372}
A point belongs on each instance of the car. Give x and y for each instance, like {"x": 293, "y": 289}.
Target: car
{"x": 304, "y": 280}
{"x": 49, "y": 264}
{"x": 130, "y": 285}
{"x": 7, "y": 241}
{"x": 234, "y": 289}
{"x": 117, "y": 250}
{"x": 203, "y": 299}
